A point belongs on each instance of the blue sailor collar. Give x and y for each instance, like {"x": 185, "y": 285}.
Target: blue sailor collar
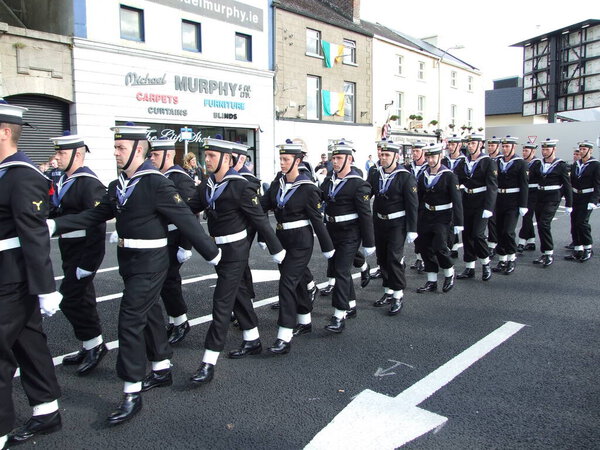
{"x": 175, "y": 169}
{"x": 20, "y": 159}
{"x": 231, "y": 174}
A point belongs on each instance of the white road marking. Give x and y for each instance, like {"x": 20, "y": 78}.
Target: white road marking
{"x": 376, "y": 421}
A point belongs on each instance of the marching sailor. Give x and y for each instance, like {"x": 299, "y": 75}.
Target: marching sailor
{"x": 493, "y": 151}
{"x": 416, "y": 167}
{"x": 454, "y": 161}
{"x": 527, "y": 231}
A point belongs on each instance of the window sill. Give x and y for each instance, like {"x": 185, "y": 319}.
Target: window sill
{"x": 350, "y": 64}
{"x": 314, "y": 55}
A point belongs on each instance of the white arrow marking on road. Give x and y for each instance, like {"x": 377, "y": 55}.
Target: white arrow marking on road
{"x": 384, "y": 372}
{"x": 376, "y": 421}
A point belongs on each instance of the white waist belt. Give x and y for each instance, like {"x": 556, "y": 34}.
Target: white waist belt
{"x": 438, "y": 207}
{"x": 74, "y": 234}
{"x": 10, "y": 243}
{"x": 475, "y": 190}
{"x": 583, "y": 191}
{"x": 293, "y": 225}
{"x": 228, "y": 239}
{"x": 391, "y": 216}
{"x": 509, "y": 190}
{"x": 172, "y": 227}
{"x": 344, "y": 218}
{"x": 550, "y": 188}
{"x": 142, "y": 243}
{"x": 534, "y": 186}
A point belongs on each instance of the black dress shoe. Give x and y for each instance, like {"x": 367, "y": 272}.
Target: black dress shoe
{"x": 327, "y": 290}
{"x": 351, "y": 313}
{"x": 335, "y": 325}
{"x": 430, "y": 286}
{"x": 365, "y": 276}
{"x": 204, "y": 374}
{"x": 571, "y": 246}
{"x": 376, "y": 274}
{"x": 179, "y": 333}
{"x": 396, "y": 306}
{"x": 383, "y": 301}
{"x": 418, "y": 265}
{"x": 74, "y": 360}
{"x": 157, "y": 378}
{"x": 448, "y": 283}
{"x": 130, "y": 405}
{"x": 467, "y": 273}
{"x": 500, "y": 267}
{"x": 587, "y": 255}
{"x": 275, "y": 305}
{"x": 280, "y": 347}
{"x": 247, "y": 348}
{"x": 486, "y": 272}
{"x": 302, "y": 328}
{"x": 530, "y": 247}
{"x": 548, "y": 260}
{"x": 169, "y": 328}
{"x": 540, "y": 260}
{"x": 453, "y": 254}
{"x": 575, "y": 256}
{"x": 520, "y": 248}
{"x": 44, "y": 424}
{"x": 312, "y": 294}
{"x": 91, "y": 359}
{"x": 510, "y": 267}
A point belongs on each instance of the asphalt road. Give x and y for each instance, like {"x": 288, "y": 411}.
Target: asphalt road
{"x": 537, "y": 389}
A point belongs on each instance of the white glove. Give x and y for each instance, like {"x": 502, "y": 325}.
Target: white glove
{"x": 51, "y": 226}
{"x": 592, "y": 206}
{"x": 487, "y": 214}
{"x": 114, "y": 237}
{"x": 367, "y": 251}
{"x": 279, "y": 257}
{"x": 410, "y": 237}
{"x": 329, "y": 255}
{"x": 568, "y": 210}
{"x": 262, "y": 245}
{"x": 183, "y": 255}
{"x": 457, "y": 229}
{"x": 215, "y": 261}
{"x": 81, "y": 273}
{"x": 49, "y": 303}
{"x": 523, "y": 211}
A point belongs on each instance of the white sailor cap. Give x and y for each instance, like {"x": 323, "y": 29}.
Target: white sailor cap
{"x": 433, "y": 149}
{"x": 162, "y": 144}
{"x": 494, "y": 140}
{"x": 239, "y": 149}
{"x": 549, "y": 142}
{"x": 290, "y": 148}
{"x": 216, "y": 144}
{"x": 454, "y": 138}
{"x": 587, "y": 144}
{"x": 68, "y": 141}
{"x": 475, "y": 137}
{"x": 130, "y": 132}
{"x": 11, "y": 113}
{"x": 389, "y": 146}
{"x": 530, "y": 145}
{"x": 419, "y": 145}
{"x": 510, "y": 140}
{"x": 342, "y": 141}
{"x": 342, "y": 148}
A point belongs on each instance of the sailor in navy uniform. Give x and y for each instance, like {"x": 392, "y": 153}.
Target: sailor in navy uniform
{"x": 162, "y": 155}
{"x": 295, "y": 200}
{"x": 394, "y": 222}
{"x": 143, "y": 202}
{"x": 440, "y": 214}
{"x": 585, "y": 181}
{"x": 527, "y": 231}
{"x": 376, "y": 273}
{"x": 416, "y": 167}
{"x": 454, "y": 161}
{"x": 82, "y": 251}
{"x": 231, "y": 205}
{"x": 493, "y": 151}
{"x": 511, "y": 202}
{"x": 349, "y": 222}
{"x": 27, "y": 289}
{"x": 479, "y": 199}
{"x": 553, "y": 184}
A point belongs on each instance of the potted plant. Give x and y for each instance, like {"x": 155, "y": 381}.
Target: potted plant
{"x": 451, "y": 126}
{"x": 393, "y": 118}
{"x": 433, "y": 123}
{"x": 464, "y": 127}
{"x": 480, "y": 129}
{"x": 413, "y": 117}
{"x": 418, "y": 117}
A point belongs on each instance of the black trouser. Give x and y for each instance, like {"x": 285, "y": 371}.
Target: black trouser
{"x": 544, "y": 213}
{"x": 346, "y": 245}
{"x": 474, "y": 242}
{"x": 230, "y": 295}
{"x": 506, "y": 220}
{"x": 433, "y": 245}
{"x": 358, "y": 261}
{"x": 142, "y": 333}
{"x": 581, "y": 231}
{"x": 389, "y": 248}
{"x": 293, "y": 295}
{"x": 247, "y": 278}
{"x": 493, "y": 229}
{"x": 79, "y": 301}
{"x": 171, "y": 293}
{"x": 527, "y": 230}
{"x": 23, "y": 343}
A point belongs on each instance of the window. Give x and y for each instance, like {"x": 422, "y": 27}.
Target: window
{"x": 313, "y": 42}
{"x": 470, "y": 84}
{"x": 420, "y": 105}
{"x": 243, "y": 47}
{"x": 190, "y": 36}
{"x": 349, "y": 52}
{"x": 132, "y": 23}
{"x": 453, "y": 114}
{"x": 399, "y": 106}
{"x": 313, "y": 97}
{"x": 453, "y": 76}
{"x": 400, "y": 61}
{"x": 421, "y": 73}
{"x": 469, "y": 117}
{"x": 349, "y": 102}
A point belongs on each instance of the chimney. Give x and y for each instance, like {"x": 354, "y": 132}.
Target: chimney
{"x": 347, "y": 8}
{"x": 355, "y": 11}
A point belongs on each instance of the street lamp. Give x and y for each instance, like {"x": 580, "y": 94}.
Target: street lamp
{"x": 444, "y": 53}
